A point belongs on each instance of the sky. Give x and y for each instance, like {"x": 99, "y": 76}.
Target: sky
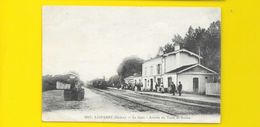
{"x": 93, "y": 40}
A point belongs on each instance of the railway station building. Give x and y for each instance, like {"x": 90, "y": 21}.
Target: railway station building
{"x": 180, "y": 65}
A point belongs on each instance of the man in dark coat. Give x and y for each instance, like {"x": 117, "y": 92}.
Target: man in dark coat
{"x": 173, "y": 88}
{"x": 156, "y": 86}
{"x": 179, "y": 88}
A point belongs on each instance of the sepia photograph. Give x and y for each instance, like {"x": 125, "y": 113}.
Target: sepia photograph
{"x": 131, "y": 64}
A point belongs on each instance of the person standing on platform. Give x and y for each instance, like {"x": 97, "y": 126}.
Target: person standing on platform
{"x": 180, "y": 88}
{"x": 173, "y": 88}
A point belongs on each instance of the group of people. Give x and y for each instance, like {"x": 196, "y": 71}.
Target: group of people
{"x": 160, "y": 88}
{"x": 174, "y": 90}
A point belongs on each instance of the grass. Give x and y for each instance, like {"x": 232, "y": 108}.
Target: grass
{"x": 53, "y": 100}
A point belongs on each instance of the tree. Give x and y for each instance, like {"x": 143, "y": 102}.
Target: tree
{"x": 169, "y": 47}
{"x": 129, "y": 66}
{"x": 212, "y": 52}
{"x": 205, "y": 42}
{"x": 189, "y": 39}
{"x": 114, "y": 81}
{"x": 178, "y": 39}
{"x": 49, "y": 81}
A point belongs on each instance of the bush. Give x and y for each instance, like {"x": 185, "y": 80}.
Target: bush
{"x": 49, "y": 81}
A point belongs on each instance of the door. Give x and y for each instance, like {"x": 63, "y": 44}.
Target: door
{"x": 151, "y": 86}
{"x": 145, "y": 83}
{"x": 169, "y": 81}
{"x": 159, "y": 80}
{"x": 195, "y": 85}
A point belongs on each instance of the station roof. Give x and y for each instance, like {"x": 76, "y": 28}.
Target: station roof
{"x": 180, "y": 68}
{"x": 187, "y": 67}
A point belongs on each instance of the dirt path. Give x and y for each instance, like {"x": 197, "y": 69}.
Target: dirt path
{"x": 101, "y": 106}
{"x": 95, "y": 107}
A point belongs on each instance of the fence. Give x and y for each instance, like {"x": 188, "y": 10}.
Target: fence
{"x": 213, "y": 89}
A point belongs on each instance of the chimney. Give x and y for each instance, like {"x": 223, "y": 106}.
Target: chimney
{"x": 176, "y": 46}
{"x": 160, "y": 52}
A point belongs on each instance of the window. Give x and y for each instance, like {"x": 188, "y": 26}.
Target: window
{"x": 151, "y": 73}
{"x": 159, "y": 69}
{"x": 206, "y": 78}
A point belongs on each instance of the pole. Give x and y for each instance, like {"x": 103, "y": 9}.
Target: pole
{"x": 199, "y": 54}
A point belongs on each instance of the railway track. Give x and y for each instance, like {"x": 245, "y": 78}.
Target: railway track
{"x": 129, "y": 100}
{"x": 167, "y": 100}
{"x": 166, "y": 106}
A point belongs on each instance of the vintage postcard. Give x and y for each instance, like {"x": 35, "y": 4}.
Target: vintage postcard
{"x": 131, "y": 64}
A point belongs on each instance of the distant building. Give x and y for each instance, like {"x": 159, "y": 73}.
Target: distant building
{"x": 134, "y": 79}
{"x": 180, "y": 65}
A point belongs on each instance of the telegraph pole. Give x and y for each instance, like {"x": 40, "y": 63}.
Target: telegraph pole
{"x": 199, "y": 54}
